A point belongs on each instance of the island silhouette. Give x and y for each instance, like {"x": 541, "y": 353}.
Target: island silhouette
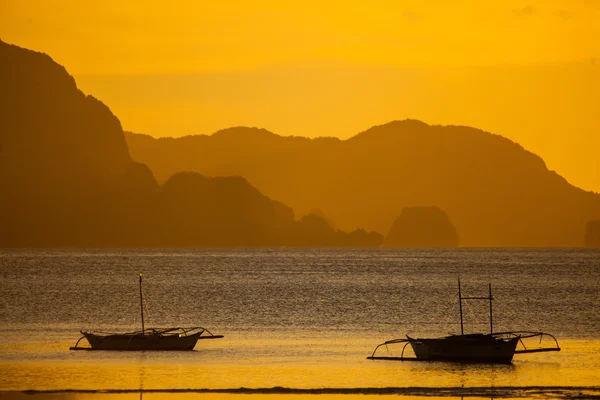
{"x": 68, "y": 180}
{"x": 497, "y": 193}
{"x": 71, "y": 177}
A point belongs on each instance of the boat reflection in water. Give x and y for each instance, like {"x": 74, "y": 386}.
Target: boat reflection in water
{"x": 494, "y": 347}
{"x": 146, "y": 339}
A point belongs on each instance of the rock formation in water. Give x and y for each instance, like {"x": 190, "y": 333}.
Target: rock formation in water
{"x": 422, "y": 227}
{"x": 592, "y": 234}
{"x": 497, "y": 193}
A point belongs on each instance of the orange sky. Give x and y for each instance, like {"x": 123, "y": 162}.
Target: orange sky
{"x": 529, "y": 71}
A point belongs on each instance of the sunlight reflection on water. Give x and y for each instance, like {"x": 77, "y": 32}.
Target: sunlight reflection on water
{"x": 291, "y": 318}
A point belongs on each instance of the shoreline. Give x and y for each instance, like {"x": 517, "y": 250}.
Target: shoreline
{"x": 483, "y": 391}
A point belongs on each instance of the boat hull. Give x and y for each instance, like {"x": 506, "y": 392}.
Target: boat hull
{"x": 142, "y": 341}
{"x": 466, "y": 348}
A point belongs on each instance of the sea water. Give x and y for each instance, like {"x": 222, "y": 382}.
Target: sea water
{"x": 298, "y": 319}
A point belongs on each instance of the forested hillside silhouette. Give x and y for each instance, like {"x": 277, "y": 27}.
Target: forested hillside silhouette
{"x": 495, "y": 192}
{"x": 68, "y": 180}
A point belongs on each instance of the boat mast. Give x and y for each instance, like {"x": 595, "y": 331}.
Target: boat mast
{"x": 142, "y": 304}
{"x": 462, "y": 331}
{"x": 491, "y": 323}
{"x": 489, "y": 298}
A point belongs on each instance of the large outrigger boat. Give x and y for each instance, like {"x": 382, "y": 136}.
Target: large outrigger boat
{"x": 493, "y": 347}
{"x": 147, "y": 338}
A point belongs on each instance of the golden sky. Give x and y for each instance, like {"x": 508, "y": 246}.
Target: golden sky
{"x": 527, "y": 70}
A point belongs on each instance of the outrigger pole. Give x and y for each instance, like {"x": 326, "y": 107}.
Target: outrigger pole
{"x": 142, "y": 304}
{"x": 460, "y": 299}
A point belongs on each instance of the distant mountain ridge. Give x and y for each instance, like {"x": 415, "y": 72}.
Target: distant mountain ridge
{"x": 70, "y": 177}
{"x": 68, "y": 180}
{"x": 495, "y": 192}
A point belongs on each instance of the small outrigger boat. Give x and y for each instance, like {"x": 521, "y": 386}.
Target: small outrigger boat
{"x": 147, "y": 338}
{"x": 493, "y": 347}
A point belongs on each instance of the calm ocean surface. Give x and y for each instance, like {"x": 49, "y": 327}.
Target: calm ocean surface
{"x": 304, "y": 319}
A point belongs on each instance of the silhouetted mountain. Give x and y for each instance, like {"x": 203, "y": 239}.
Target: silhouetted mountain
{"x": 321, "y": 214}
{"x": 215, "y": 212}
{"x": 61, "y": 154}
{"x": 497, "y": 193}
{"x": 422, "y": 227}
{"x": 592, "y": 234}
{"x": 68, "y": 180}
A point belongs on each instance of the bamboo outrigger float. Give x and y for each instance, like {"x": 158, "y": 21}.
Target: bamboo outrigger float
{"x": 146, "y": 339}
{"x": 494, "y": 347}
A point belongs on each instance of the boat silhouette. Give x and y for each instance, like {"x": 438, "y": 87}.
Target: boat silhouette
{"x": 176, "y": 338}
{"x": 493, "y": 347}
